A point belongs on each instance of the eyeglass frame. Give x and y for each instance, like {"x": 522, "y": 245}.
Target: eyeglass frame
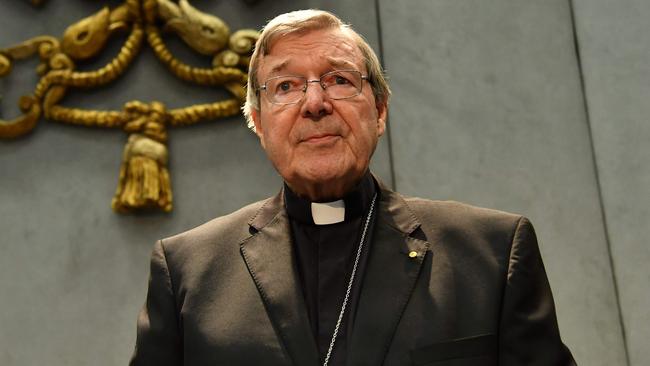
{"x": 319, "y": 81}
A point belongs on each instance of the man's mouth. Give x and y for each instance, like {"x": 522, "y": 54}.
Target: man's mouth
{"x": 321, "y": 138}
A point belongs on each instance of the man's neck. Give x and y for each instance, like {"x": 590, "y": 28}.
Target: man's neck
{"x": 351, "y": 205}
{"x": 325, "y": 190}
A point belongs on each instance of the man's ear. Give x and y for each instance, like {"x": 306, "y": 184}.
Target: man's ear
{"x": 257, "y": 121}
{"x": 382, "y": 114}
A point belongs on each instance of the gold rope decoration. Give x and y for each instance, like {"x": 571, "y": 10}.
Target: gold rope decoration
{"x": 196, "y": 113}
{"x": 144, "y": 181}
{"x": 201, "y": 76}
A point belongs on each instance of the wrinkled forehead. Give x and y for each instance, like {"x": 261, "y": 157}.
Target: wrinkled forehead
{"x": 335, "y": 48}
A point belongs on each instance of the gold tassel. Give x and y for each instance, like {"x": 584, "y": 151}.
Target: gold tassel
{"x": 144, "y": 178}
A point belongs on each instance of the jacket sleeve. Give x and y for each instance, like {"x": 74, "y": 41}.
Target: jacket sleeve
{"x": 528, "y": 330}
{"x": 159, "y": 340}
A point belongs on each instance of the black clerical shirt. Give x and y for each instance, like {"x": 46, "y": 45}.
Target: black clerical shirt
{"x": 325, "y": 256}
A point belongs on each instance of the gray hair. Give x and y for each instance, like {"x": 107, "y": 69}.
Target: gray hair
{"x": 302, "y": 21}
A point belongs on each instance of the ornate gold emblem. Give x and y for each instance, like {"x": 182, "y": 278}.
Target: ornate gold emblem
{"x": 144, "y": 178}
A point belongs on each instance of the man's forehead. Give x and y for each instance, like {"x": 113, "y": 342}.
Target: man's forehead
{"x": 275, "y": 65}
{"x": 330, "y": 48}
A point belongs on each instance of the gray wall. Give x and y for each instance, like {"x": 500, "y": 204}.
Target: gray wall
{"x": 493, "y": 105}
{"x": 614, "y": 41}
{"x": 489, "y": 110}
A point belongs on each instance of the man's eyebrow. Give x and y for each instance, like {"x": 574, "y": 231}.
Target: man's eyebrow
{"x": 341, "y": 63}
{"x": 279, "y": 67}
{"x": 336, "y": 63}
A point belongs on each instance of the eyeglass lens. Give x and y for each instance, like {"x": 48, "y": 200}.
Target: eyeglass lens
{"x": 336, "y": 84}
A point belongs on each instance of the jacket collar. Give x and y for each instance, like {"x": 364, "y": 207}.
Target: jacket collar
{"x": 269, "y": 210}
{"x": 397, "y": 212}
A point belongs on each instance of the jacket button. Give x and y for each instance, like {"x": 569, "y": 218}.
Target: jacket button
{"x": 413, "y": 254}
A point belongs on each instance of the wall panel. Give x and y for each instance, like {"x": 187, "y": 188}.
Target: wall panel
{"x": 488, "y": 109}
{"x": 614, "y": 41}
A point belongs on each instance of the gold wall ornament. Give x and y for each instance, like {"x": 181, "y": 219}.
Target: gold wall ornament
{"x": 144, "y": 181}
{"x": 144, "y": 178}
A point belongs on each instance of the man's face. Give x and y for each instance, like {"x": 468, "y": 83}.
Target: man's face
{"x": 321, "y": 147}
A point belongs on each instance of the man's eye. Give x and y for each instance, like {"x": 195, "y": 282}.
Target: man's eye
{"x": 340, "y": 80}
{"x": 284, "y": 86}
{"x": 287, "y": 86}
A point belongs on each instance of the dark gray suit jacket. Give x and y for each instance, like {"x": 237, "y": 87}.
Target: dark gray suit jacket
{"x": 228, "y": 293}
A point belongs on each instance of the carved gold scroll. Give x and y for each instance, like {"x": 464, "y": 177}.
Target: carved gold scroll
{"x": 144, "y": 181}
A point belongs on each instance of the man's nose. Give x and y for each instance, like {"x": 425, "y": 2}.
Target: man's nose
{"x": 316, "y": 103}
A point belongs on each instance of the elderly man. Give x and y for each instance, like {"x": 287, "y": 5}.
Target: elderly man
{"x": 337, "y": 269}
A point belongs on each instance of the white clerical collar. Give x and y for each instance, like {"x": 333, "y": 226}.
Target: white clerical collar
{"x": 327, "y": 213}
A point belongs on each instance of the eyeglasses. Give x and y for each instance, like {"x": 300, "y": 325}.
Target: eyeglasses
{"x": 339, "y": 84}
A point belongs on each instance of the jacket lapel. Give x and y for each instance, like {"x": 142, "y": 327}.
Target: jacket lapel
{"x": 388, "y": 282}
{"x": 269, "y": 257}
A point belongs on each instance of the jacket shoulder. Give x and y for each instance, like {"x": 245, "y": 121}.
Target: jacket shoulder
{"x": 464, "y": 220}
{"x": 227, "y": 230}
{"x": 455, "y": 208}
